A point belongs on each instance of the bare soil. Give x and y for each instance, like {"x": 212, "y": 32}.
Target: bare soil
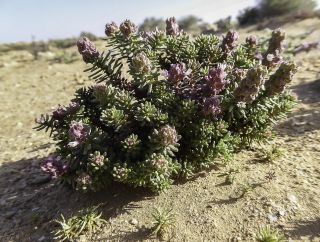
{"x": 206, "y": 208}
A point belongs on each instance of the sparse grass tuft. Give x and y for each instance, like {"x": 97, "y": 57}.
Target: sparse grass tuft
{"x": 273, "y": 154}
{"x": 230, "y": 175}
{"x": 246, "y": 188}
{"x": 89, "y": 221}
{"x": 267, "y": 234}
{"x": 163, "y": 221}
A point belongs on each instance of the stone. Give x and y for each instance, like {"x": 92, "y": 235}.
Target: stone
{"x": 133, "y": 221}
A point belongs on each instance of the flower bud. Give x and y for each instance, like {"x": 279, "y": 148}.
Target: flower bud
{"x": 87, "y": 49}
{"x": 111, "y": 28}
{"x": 172, "y": 27}
{"x": 127, "y": 28}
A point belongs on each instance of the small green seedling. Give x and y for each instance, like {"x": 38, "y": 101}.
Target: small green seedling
{"x": 267, "y": 234}
{"x": 163, "y": 221}
{"x": 89, "y": 221}
{"x": 230, "y": 175}
{"x": 273, "y": 154}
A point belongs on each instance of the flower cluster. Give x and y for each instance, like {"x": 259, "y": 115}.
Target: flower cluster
{"x": 54, "y": 165}
{"x": 111, "y": 28}
{"x": 165, "y": 105}
{"x": 177, "y": 72}
{"x": 282, "y": 77}
{"x": 216, "y": 79}
{"x": 168, "y": 135}
{"x": 211, "y": 106}
{"x": 172, "y": 27}
{"x": 78, "y": 133}
{"x": 141, "y": 63}
{"x": 249, "y": 87}
{"x": 229, "y": 41}
{"x": 272, "y": 57}
{"x": 251, "y": 41}
{"x": 127, "y": 28}
{"x": 88, "y": 50}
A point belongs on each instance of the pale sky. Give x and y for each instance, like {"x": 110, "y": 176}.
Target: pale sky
{"x": 45, "y": 19}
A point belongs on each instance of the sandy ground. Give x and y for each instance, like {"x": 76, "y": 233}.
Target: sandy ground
{"x": 206, "y": 209}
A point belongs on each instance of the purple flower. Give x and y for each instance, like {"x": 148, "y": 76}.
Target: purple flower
{"x": 229, "y": 41}
{"x": 211, "y": 106}
{"x": 127, "y": 28}
{"x": 78, "y": 132}
{"x": 177, "y": 72}
{"x": 59, "y": 112}
{"x": 172, "y": 27}
{"x": 111, "y": 28}
{"x": 54, "y": 166}
{"x": 249, "y": 87}
{"x": 73, "y": 107}
{"x": 216, "y": 81}
{"x": 88, "y": 50}
{"x": 41, "y": 119}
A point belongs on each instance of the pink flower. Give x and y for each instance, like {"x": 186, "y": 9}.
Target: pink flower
{"x": 177, "y": 72}
{"x": 216, "y": 81}
{"x": 54, "y": 166}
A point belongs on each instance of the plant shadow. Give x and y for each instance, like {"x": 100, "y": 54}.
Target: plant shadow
{"x": 308, "y": 229}
{"x": 30, "y": 201}
{"x": 303, "y": 119}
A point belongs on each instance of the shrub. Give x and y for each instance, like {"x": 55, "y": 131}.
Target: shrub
{"x": 248, "y": 16}
{"x": 151, "y": 24}
{"x": 271, "y": 8}
{"x": 165, "y": 105}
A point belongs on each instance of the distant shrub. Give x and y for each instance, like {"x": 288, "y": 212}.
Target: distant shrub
{"x": 191, "y": 24}
{"x": 63, "y": 43}
{"x": 224, "y": 24}
{"x": 89, "y": 35}
{"x": 166, "y": 105}
{"x": 271, "y": 8}
{"x": 248, "y": 16}
{"x": 151, "y": 24}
